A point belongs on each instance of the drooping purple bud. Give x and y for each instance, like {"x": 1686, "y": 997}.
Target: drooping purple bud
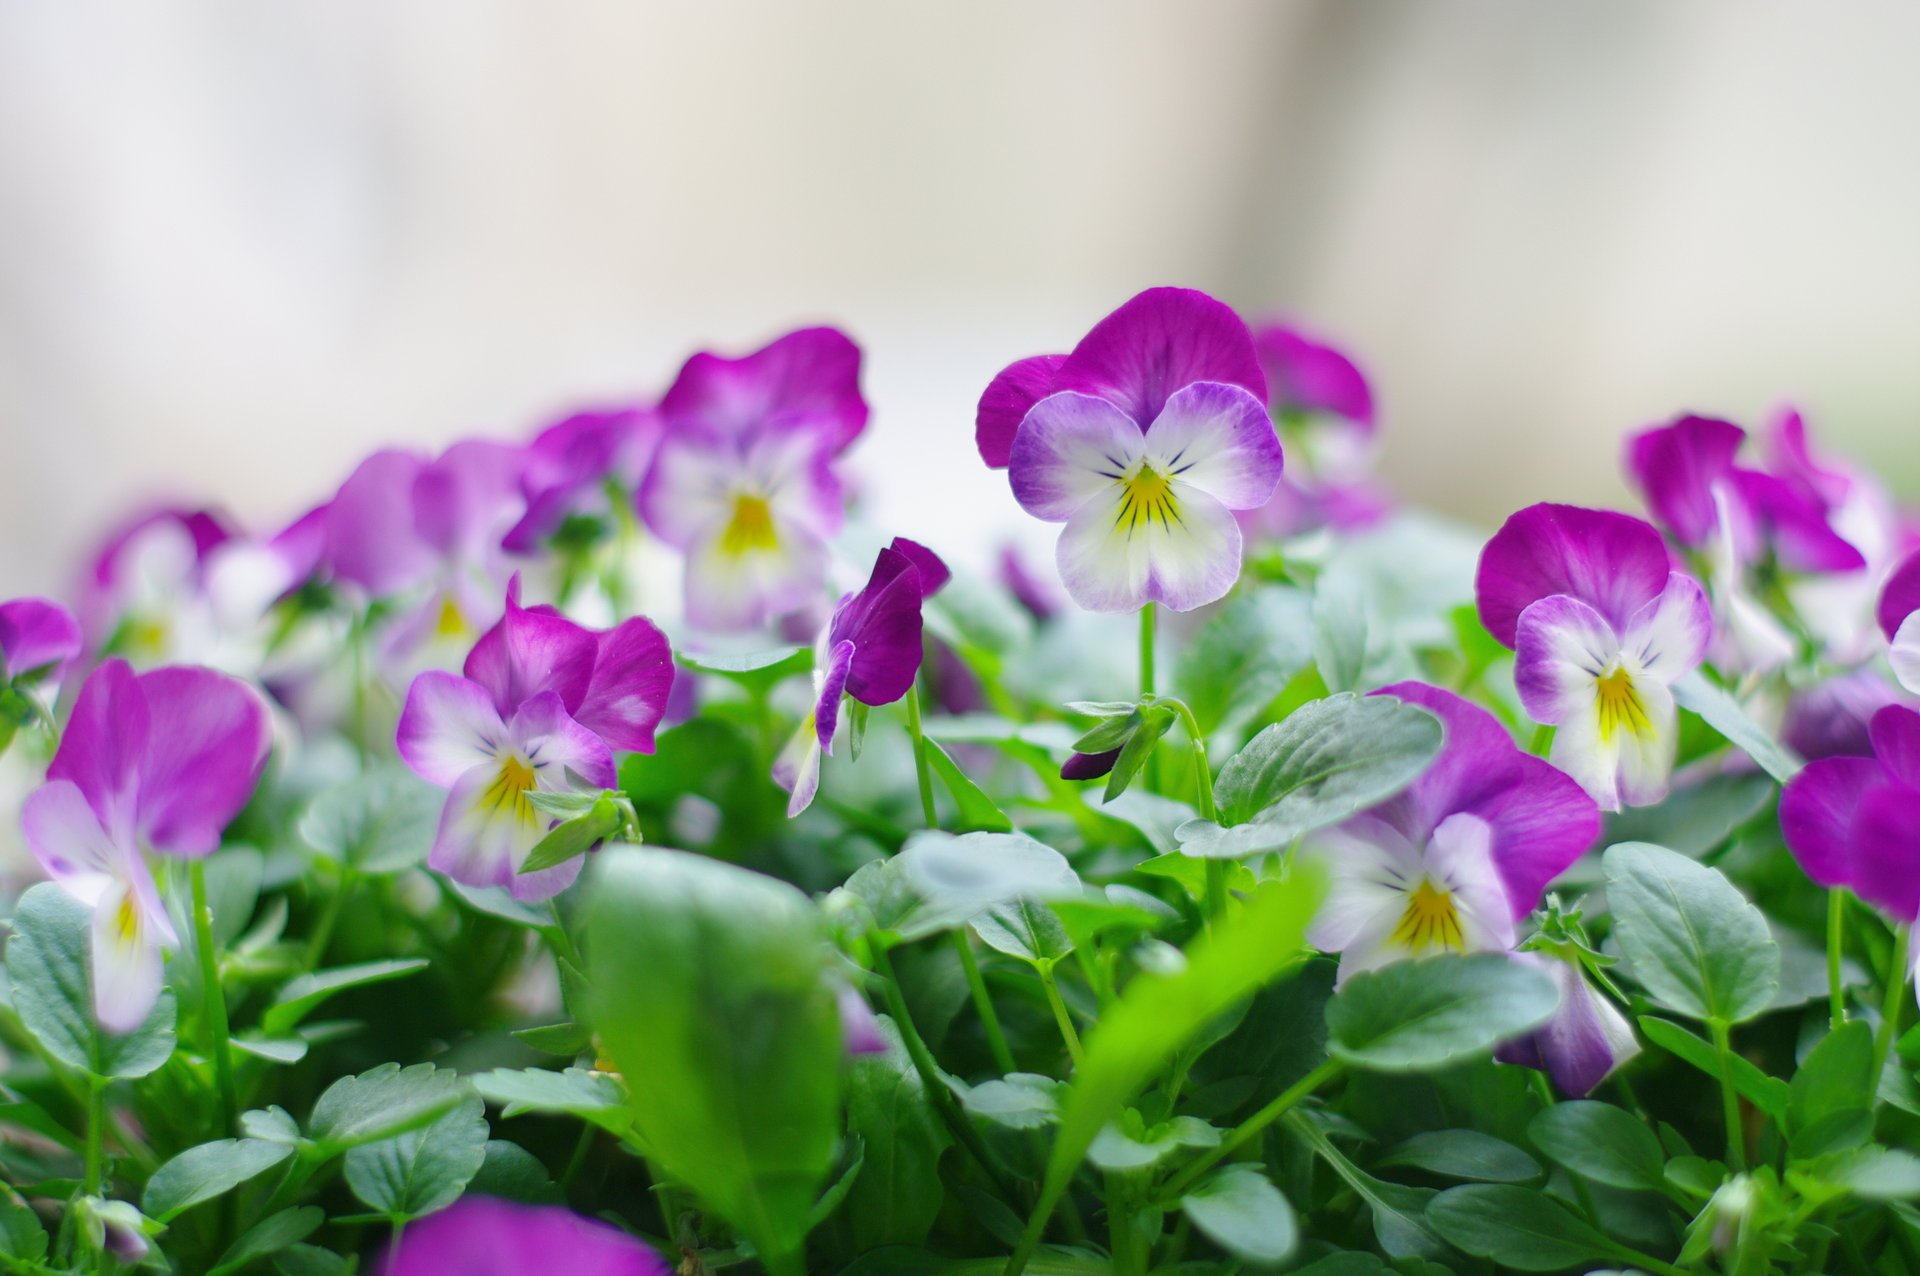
{"x": 1585, "y": 1041}
{"x": 1088, "y": 766}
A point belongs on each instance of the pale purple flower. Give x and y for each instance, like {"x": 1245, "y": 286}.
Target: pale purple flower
{"x": 1854, "y": 822}
{"x": 1324, "y": 408}
{"x": 38, "y": 637}
{"x": 1455, "y": 860}
{"x": 573, "y": 466}
{"x": 1151, "y": 433}
{"x": 1899, "y": 616}
{"x": 870, "y": 650}
{"x": 810, "y": 376}
{"x": 1587, "y": 1039}
{"x": 543, "y": 706}
{"x": 1831, "y": 718}
{"x": 484, "y": 1236}
{"x": 1601, "y": 628}
{"x": 159, "y": 761}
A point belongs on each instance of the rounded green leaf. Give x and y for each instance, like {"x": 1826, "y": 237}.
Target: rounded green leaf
{"x": 1516, "y": 1227}
{"x": 204, "y": 1172}
{"x": 1416, "y": 1016}
{"x": 1242, "y": 1213}
{"x": 1463, "y": 1154}
{"x": 1695, "y": 942}
{"x": 422, "y": 1170}
{"x": 1601, "y": 1142}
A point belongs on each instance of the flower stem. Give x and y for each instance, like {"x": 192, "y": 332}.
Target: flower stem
{"x": 213, "y": 999}
{"x": 96, "y": 1133}
{"x": 983, "y": 1003}
{"x": 1146, "y": 650}
{"x": 1061, "y": 1017}
{"x": 922, "y": 768}
{"x": 1891, "y": 1002}
{"x": 1208, "y": 808}
{"x": 1250, "y": 1128}
{"x": 1836, "y": 941}
{"x": 1729, "y": 1098}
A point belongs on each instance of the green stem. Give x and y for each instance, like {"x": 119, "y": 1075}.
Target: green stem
{"x": 1122, "y": 1242}
{"x": 1061, "y": 1017}
{"x": 1542, "y": 743}
{"x": 923, "y": 769}
{"x": 983, "y": 1003}
{"x": 579, "y": 1158}
{"x": 1729, "y": 1099}
{"x": 1836, "y": 940}
{"x": 1251, "y": 1128}
{"x": 1146, "y": 650}
{"x": 329, "y": 918}
{"x": 1891, "y": 1002}
{"x": 1209, "y": 809}
{"x": 96, "y": 1133}
{"x": 213, "y": 1000}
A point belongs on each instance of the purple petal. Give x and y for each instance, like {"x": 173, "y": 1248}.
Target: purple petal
{"x": 1561, "y": 648}
{"x": 482, "y": 1236}
{"x": 1817, "y": 809}
{"x": 529, "y": 651}
{"x": 207, "y": 744}
{"x": 1901, "y": 596}
{"x": 554, "y": 744}
{"x": 1005, "y": 402}
{"x": 302, "y": 544}
{"x": 1670, "y": 635}
{"x": 203, "y": 530}
{"x": 36, "y": 633}
{"x": 568, "y": 464}
{"x": 66, "y": 837}
{"x": 932, "y": 568}
{"x": 859, "y": 1029}
{"x": 370, "y": 534}
{"x": 1790, "y": 457}
{"x": 812, "y": 373}
{"x": 1676, "y": 467}
{"x": 631, "y": 683}
{"x": 105, "y": 743}
{"x": 883, "y": 623}
{"x": 448, "y": 726}
{"x": 1038, "y": 596}
{"x": 1161, "y": 340}
{"x": 1830, "y": 719}
{"x": 1070, "y": 449}
{"x": 1885, "y": 850}
{"x": 1895, "y": 732}
{"x": 833, "y": 684}
{"x": 1796, "y": 526}
{"x": 1584, "y": 1042}
{"x": 467, "y": 497}
{"x": 1305, "y": 376}
{"x": 1219, "y": 439}
{"x": 1612, "y": 562}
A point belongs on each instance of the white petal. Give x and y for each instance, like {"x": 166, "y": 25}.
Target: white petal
{"x": 732, "y": 587}
{"x": 448, "y": 727}
{"x": 1646, "y": 756}
{"x": 1219, "y": 439}
{"x": 65, "y": 836}
{"x": 1562, "y": 648}
{"x": 1069, "y": 449}
{"x": 797, "y": 769}
{"x": 1905, "y": 654}
{"x": 1121, "y": 550}
{"x": 126, "y": 960}
{"x": 488, "y": 826}
{"x": 1668, "y": 637}
{"x": 688, "y": 492}
{"x": 1460, "y": 857}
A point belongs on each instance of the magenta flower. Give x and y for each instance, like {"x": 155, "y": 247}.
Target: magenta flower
{"x": 1453, "y": 862}
{"x": 1601, "y": 628}
{"x": 1899, "y": 616}
{"x": 37, "y": 639}
{"x": 870, "y": 650}
{"x": 483, "y": 1236}
{"x": 1150, "y": 434}
{"x": 1832, "y": 717}
{"x": 812, "y": 376}
{"x": 1855, "y": 822}
{"x": 544, "y": 705}
{"x": 1324, "y": 408}
{"x": 571, "y": 465}
{"x": 1586, "y": 1040}
{"x": 159, "y": 761}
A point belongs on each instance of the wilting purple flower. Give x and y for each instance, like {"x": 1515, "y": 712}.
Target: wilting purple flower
{"x": 1855, "y": 822}
{"x": 37, "y": 636}
{"x": 811, "y": 375}
{"x": 543, "y": 705}
{"x": 1151, "y": 433}
{"x": 1455, "y": 860}
{"x": 1601, "y": 627}
{"x": 1089, "y": 766}
{"x": 870, "y": 650}
{"x": 1831, "y": 718}
{"x": 752, "y": 513}
{"x": 1324, "y": 408}
{"x": 571, "y": 464}
{"x": 1585, "y": 1041}
{"x": 1899, "y": 616}
{"x": 155, "y": 761}
{"x": 483, "y": 1236}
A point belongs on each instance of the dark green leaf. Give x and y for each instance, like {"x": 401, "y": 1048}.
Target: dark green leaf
{"x": 1598, "y": 1141}
{"x": 1025, "y": 929}
{"x": 1019, "y": 1100}
{"x": 591, "y": 1096}
{"x": 422, "y": 1170}
{"x": 512, "y": 1173}
{"x": 1724, "y": 714}
{"x": 209, "y": 1170}
{"x": 974, "y": 809}
{"x": 575, "y": 836}
{"x": 1769, "y": 1094}
{"x": 896, "y": 1194}
{"x": 305, "y": 993}
{"x": 1834, "y": 1076}
{"x": 382, "y": 1103}
{"x": 268, "y": 1237}
{"x": 1463, "y": 1154}
{"x": 1516, "y": 1227}
{"x": 1695, "y": 943}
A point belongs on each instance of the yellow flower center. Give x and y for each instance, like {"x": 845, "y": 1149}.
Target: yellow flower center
{"x": 451, "y": 623}
{"x": 750, "y": 530}
{"x": 126, "y": 919}
{"x": 508, "y": 792}
{"x": 1431, "y": 921}
{"x": 1620, "y": 706}
{"x": 1146, "y": 495}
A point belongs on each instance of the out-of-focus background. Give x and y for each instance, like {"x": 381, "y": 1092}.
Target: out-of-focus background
{"x": 241, "y": 244}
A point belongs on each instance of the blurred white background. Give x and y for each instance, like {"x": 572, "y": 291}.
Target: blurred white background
{"x": 243, "y": 243}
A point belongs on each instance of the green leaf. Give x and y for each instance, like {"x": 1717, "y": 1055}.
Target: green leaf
{"x": 382, "y": 1103}
{"x": 1155, "y": 721}
{"x": 1327, "y": 760}
{"x": 1516, "y": 1227}
{"x": 1698, "y": 818}
{"x": 1129, "y": 1144}
{"x": 575, "y": 836}
{"x": 281, "y": 1050}
{"x": 1463, "y": 1154}
{"x": 21, "y": 1233}
{"x": 940, "y": 881}
{"x": 310, "y": 1260}
{"x": 1018, "y": 1101}
{"x": 304, "y": 994}
{"x": 711, "y": 994}
{"x": 268, "y": 1237}
{"x": 1875, "y": 1174}
{"x": 974, "y": 809}
{"x": 1724, "y": 714}
{"x": 1340, "y": 627}
{"x": 1241, "y": 1212}
{"x": 1696, "y": 944}
{"x": 1769, "y": 1094}
{"x": 379, "y": 822}
{"x": 1025, "y": 929}
{"x": 1601, "y": 1142}
{"x": 1418, "y": 1016}
{"x": 568, "y": 1040}
{"x": 512, "y": 1173}
{"x": 209, "y": 1170}
{"x": 897, "y": 1193}
{"x": 422, "y": 1170}
{"x": 755, "y": 672}
{"x": 47, "y": 962}
{"x": 591, "y": 1096}
{"x": 1833, "y": 1078}
{"x": 1242, "y": 656}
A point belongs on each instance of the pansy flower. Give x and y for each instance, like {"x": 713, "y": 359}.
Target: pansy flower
{"x": 1146, "y": 439}
{"x": 1585, "y": 1041}
{"x": 486, "y": 1236}
{"x": 1601, "y": 628}
{"x": 543, "y": 705}
{"x": 1832, "y": 718}
{"x": 1324, "y": 409}
{"x": 1899, "y": 616}
{"x": 158, "y": 761}
{"x": 810, "y": 375}
{"x": 572, "y": 466}
{"x": 1854, "y": 822}
{"x": 870, "y": 650}
{"x": 1454, "y": 861}
{"x": 37, "y": 638}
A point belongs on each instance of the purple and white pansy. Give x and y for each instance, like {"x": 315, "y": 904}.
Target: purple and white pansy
{"x": 1585, "y": 1042}
{"x": 1899, "y": 616}
{"x": 1456, "y": 860}
{"x": 544, "y": 705}
{"x": 1323, "y": 407}
{"x": 152, "y": 762}
{"x": 870, "y": 649}
{"x": 1601, "y": 628}
{"x": 38, "y": 638}
{"x": 1143, "y": 442}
